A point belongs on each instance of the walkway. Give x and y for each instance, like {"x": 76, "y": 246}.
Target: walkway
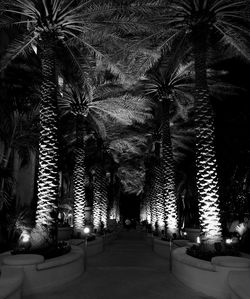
{"x": 127, "y": 269}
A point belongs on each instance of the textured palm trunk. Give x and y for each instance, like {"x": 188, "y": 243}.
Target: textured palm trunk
{"x": 79, "y": 177}
{"x": 153, "y": 209}
{"x": 114, "y": 200}
{"x": 148, "y": 195}
{"x": 207, "y": 179}
{"x": 142, "y": 210}
{"x": 148, "y": 206}
{"x": 104, "y": 202}
{"x": 100, "y": 203}
{"x": 117, "y": 194}
{"x": 159, "y": 196}
{"x": 48, "y": 180}
{"x": 168, "y": 173}
{"x": 114, "y": 213}
{"x": 96, "y": 210}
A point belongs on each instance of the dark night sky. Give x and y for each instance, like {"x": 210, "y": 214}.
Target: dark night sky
{"x": 233, "y": 120}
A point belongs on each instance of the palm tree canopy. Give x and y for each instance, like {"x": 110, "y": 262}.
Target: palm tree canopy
{"x": 99, "y": 27}
{"x": 104, "y": 103}
{"x": 226, "y": 20}
{"x": 173, "y": 24}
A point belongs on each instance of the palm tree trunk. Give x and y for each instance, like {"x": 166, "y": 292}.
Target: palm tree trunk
{"x": 207, "y": 179}
{"x": 159, "y": 196}
{"x": 104, "y": 202}
{"x": 79, "y": 178}
{"x": 102, "y": 184}
{"x": 153, "y": 211}
{"x": 168, "y": 171}
{"x": 97, "y": 200}
{"x": 48, "y": 180}
{"x": 148, "y": 209}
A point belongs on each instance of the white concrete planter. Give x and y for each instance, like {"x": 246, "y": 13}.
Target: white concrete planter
{"x": 206, "y": 277}
{"x": 64, "y": 233}
{"x": 41, "y": 275}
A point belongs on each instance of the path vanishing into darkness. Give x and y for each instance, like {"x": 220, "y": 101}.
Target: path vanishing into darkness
{"x": 127, "y": 269}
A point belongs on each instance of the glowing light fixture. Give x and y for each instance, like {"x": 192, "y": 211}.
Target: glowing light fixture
{"x": 24, "y": 240}
{"x": 86, "y": 230}
{"x": 198, "y": 240}
{"x": 229, "y": 241}
{"x": 25, "y": 237}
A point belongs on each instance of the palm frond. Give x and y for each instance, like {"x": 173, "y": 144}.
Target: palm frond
{"x": 20, "y": 46}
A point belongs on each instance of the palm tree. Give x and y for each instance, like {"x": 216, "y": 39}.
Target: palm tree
{"x": 169, "y": 83}
{"x": 100, "y": 197}
{"x": 206, "y": 23}
{"x": 215, "y": 24}
{"x": 47, "y": 25}
{"x": 98, "y": 104}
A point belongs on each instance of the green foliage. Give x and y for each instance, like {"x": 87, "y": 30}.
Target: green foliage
{"x": 204, "y": 252}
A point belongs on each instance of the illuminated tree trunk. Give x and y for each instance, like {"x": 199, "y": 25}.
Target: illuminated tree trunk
{"x": 142, "y": 210}
{"x": 100, "y": 202}
{"x": 168, "y": 172}
{"x": 153, "y": 211}
{"x": 48, "y": 180}
{"x": 155, "y": 195}
{"x": 159, "y": 196}
{"x": 114, "y": 213}
{"x": 96, "y": 205}
{"x": 79, "y": 177}
{"x": 147, "y": 201}
{"x": 207, "y": 179}
{"x": 104, "y": 202}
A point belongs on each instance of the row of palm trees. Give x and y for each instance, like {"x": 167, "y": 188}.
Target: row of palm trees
{"x": 181, "y": 37}
{"x": 202, "y": 25}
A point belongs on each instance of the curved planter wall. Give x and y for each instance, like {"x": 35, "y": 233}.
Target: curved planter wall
{"x": 41, "y": 275}
{"x": 209, "y": 278}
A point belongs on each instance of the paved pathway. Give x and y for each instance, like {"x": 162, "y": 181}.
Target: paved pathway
{"x": 127, "y": 269}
